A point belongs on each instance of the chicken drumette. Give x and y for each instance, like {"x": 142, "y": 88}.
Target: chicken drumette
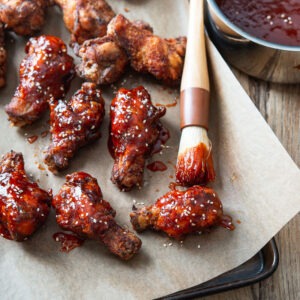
{"x": 179, "y": 213}
{"x": 23, "y": 17}
{"x": 148, "y": 53}
{"x": 73, "y": 125}
{"x": 80, "y": 208}
{"x": 3, "y": 56}
{"x": 86, "y": 19}
{"x": 134, "y": 129}
{"x": 45, "y": 73}
{"x": 103, "y": 60}
{"x": 24, "y": 207}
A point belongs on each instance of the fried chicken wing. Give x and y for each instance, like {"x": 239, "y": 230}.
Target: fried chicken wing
{"x": 148, "y": 53}
{"x": 24, "y": 207}
{"x": 80, "y": 208}
{"x": 103, "y": 60}
{"x": 86, "y": 19}
{"x": 3, "y": 56}
{"x": 179, "y": 213}
{"x": 134, "y": 129}
{"x": 45, "y": 73}
{"x": 73, "y": 125}
{"x": 23, "y": 17}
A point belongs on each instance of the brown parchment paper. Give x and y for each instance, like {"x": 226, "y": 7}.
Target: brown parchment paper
{"x": 257, "y": 181}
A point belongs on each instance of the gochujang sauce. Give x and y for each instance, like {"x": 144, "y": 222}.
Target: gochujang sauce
{"x": 275, "y": 21}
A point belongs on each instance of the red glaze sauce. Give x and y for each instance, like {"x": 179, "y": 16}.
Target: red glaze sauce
{"x": 44, "y": 133}
{"x": 195, "y": 166}
{"x": 173, "y": 185}
{"x": 226, "y": 222}
{"x": 24, "y": 207}
{"x": 157, "y": 166}
{"x": 32, "y": 139}
{"x": 135, "y": 121}
{"x": 163, "y": 137}
{"x": 67, "y": 241}
{"x": 45, "y": 73}
{"x": 275, "y": 21}
{"x": 183, "y": 212}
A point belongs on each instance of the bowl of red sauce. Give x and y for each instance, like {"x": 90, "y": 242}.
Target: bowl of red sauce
{"x": 259, "y": 37}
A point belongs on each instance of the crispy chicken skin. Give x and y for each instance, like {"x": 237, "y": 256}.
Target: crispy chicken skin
{"x": 23, "y": 17}
{"x": 103, "y": 60}
{"x": 80, "y": 208}
{"x": 148, "y": 53}
{"x": 45, "y": 73}
{"x": 179, "y": 213}
{"x": 86, "y": 19}
{"x": 134, "y": 129}
{"x": 3, "y": 56}
{"x": 24, "y": 207}
{"x": 74, "y": 124}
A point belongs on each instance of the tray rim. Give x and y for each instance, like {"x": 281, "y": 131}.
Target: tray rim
{"x": 197, "y": 291}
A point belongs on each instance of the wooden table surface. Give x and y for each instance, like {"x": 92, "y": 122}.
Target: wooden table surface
{"x": 280, "y": 106}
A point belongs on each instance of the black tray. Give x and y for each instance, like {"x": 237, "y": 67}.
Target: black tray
{"x": 259, "y": 267}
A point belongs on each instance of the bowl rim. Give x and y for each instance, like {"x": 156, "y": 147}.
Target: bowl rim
{"x": 246, "y": 35}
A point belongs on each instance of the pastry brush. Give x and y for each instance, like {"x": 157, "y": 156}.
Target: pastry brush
{"x": 194, "y": 162}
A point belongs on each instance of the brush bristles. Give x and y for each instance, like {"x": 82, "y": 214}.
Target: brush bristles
{"x": 194, "y": 162}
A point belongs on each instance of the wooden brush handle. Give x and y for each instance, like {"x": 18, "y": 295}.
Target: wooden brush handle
{"x": 194, "y": 98}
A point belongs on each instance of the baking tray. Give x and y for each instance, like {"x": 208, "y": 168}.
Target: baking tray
{"x": 259, "y": 267}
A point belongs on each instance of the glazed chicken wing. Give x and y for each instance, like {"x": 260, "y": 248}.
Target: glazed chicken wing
{"x": 3, "y": 56}
{"x": 24, "y": 207}
{"x": 86, "y": 19}
{"x": 73, "y": 125}
{"x": 103, "y": 60}
{"x": 80, "y": 208}
{"x": 179, "y": 213}
{"x": 23, "y": 17}
{"x": 134, "y": 129}
{"x": 45, "y": 73}
{"x": 148, "y": 53}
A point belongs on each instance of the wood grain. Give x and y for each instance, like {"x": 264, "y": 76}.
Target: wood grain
{"x": 280, "y": 106}
{"x": 195, "y": 73}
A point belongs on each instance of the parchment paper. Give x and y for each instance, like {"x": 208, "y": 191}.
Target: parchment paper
{"x": 257, "y": 181}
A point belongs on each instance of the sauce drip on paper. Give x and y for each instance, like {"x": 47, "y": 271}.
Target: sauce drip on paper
{"x": 163, "y": 137}
{"x": 157, "y": 166}
{"x": 32, "y": 139}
